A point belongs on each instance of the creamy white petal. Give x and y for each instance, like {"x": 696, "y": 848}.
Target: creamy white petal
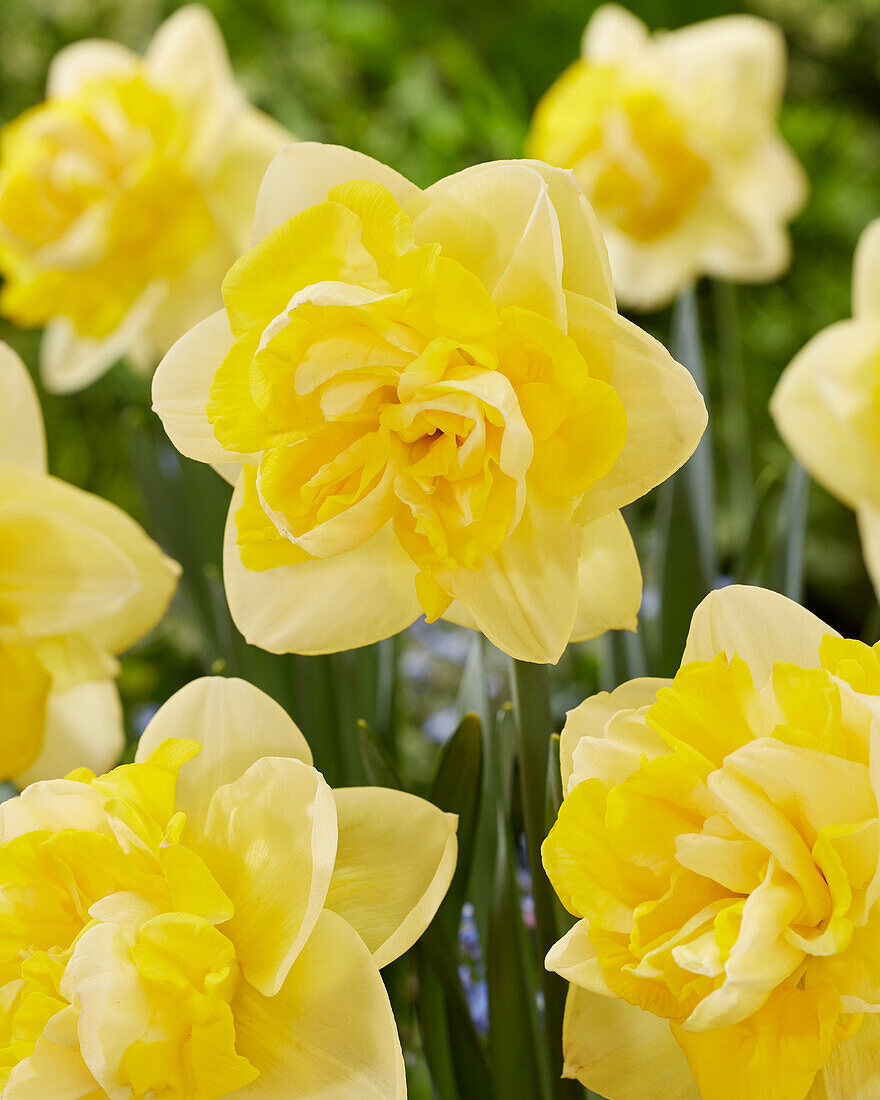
{"x": 329, "y": 1034}
{"x": 869, "y": 529}
{"x": 235, "y": 723}
{"x": 316, "y": 606}
{"x": 759, "y": 625}
{"x": 387, "y": 886}
{"x": 22, "y": 436}
{"x": 866, "y": 273}
{"x": 181, "y": 385}
{"x": 622, "y": 1052}
{"x": 609, "y": 579}
{"x": 270, "y": 842}
{"x": 89, "y": 59}
{"x": 83, "y": 729}
{"x": 302, "y": 174}
{"x": 823, "y": 409}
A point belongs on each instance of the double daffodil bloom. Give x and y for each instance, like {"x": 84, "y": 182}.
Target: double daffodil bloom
{"x": 674, "y": 139}
{"x": 126, "y": 196}
{"x": 427, "y": 402}
{"x": 79, "y": 582}
{"x": 719, "y": 842}
{"x": 210, "y": 921}
{"x": 827, "y": 404}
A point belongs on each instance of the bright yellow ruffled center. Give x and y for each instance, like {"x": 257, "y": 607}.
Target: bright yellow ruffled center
{"x": 113, "y": 962}
{"x": 375, "y": 381}
{"x": 628, "y": 145}
{"x": 96, "y": 203}
{"x": 729, "y": 870}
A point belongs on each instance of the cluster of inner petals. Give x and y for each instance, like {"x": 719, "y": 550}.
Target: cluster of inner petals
{"x": 96, "y": 202}
{"x": 629, "y": 145}
{"x": 112, "y": 941}
{"x": 723, "y": 846}
{"x": 373, "y": 380}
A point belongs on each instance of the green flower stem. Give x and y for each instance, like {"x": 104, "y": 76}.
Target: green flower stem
{"x": 531, "y": 700}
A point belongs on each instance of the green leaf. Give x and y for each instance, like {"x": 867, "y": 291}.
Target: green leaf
{"x": 686, "y": 511}
{"x": 377, "y": 762}
{"x": 787, "y": 570}
{"x": 456, "y": 789}
{"x": 516, "y": 1040}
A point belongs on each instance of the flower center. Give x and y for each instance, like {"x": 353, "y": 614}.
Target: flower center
{"x": 628, "y": 146}
{"x": 374, "y": 380}
{"x": 116, "y": 890}
{"x": 96, "y": 202}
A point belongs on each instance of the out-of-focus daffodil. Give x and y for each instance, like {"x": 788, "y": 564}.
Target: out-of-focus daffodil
{"x": 719, "y": 842}
{"x": 79, "y": 582}
{"x": 428, "y": 402}
{"x": 827, "y": 403}
{"x": 126, "y": 195}
{"x": 210, "y": 921}
{"x": 674, "y": 139}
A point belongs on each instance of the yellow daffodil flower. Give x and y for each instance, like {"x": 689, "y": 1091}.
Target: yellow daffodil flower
{"x": 827, "y": 403}
{"x": 673, "y": 137}
{"x": 718, "y": 841}
{"x": 211, "y": 920}
{"x": 79, "y": 582}
{"x": 126, "y": 196}
{"x": 427, "y": 401}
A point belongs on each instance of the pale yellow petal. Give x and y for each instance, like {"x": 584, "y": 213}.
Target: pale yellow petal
{"x": 665, "y": 414}
{"x": 181, "y": 385}
{"x": 575, "y": 959}
{"x": 758, "y": 625}
{"x": 235, "y": 723}
{"x": 59, "y": 574}
{"x": 394, "y": 863}
{"x": 325, "y": 605}
{"x": 55, "y": 1070}
{"x": 499, "y": 223}
{"x": 70, "y": 362}
{"x": 609, "y": 579}
{"x": 591, "y": 717}
{"x": 329, "y": 1032}
{"x": 869, "y": 529}
{"x": 866, "y": 273}
{"x": 807, "y": 782}
{"x": 622, "y": 1052}
{"x": 188, "y": 56}
{"x": 270, "y": 841}
{"x": 733, "y": 67}
{"x": 823, "y": 409}
{"x": 524, "y": 599}
{"x": 250, "y": 142}
{"x": 614, "y": 34}
{"x": 191, "y": 297}
{"x": 155, "y": 574}
{"x": 302, "y": 174}
{"x": 83, "y": 729}
{"x": 88, "y": 59}
{"x": 586, "y": 269}
{"x": 22, "y": 436}
{"x": 853, "y": 1068}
